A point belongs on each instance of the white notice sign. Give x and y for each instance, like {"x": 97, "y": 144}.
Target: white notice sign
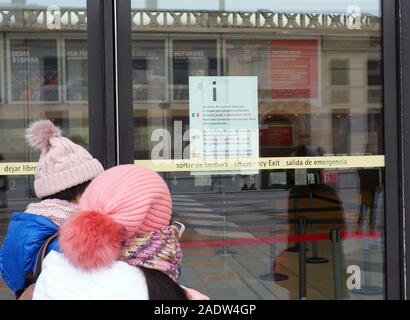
{"x": 224, "y": 119}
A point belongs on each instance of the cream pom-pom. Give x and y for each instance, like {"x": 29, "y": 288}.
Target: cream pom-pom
{"x": 39, "y": 134}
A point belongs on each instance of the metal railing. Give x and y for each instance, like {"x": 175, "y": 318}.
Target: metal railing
{"x": 194, "y": 20}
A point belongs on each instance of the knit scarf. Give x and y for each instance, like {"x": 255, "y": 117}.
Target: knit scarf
{"x": 158, "y": 250}
{"x": 58, "y": 211}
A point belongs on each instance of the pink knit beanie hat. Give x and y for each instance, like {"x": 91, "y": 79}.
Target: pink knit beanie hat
{"x": 62, "y": 164}
{"x": 121, "y": 202}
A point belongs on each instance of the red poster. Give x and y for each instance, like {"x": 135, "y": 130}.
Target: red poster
{"x": 294, "y": 66}
{"x": 277, "y": 136}
{"x": 330, "y": 177}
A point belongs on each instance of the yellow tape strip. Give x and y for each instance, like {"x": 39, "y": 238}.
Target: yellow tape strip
{"x": 17, "y": 168}
{"x": 332, "y": 162}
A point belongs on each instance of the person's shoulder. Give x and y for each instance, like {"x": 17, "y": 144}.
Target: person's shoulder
{"x": 32, "y": 219}
{"x": 24, "y": 236}
{"x": 132, "y": 281}
{"x": 117, "y": 281}
{"x": 33, "y": 228}
{"x": 54, "y": 257}
{"x": 128, "y": 270}
{"x": 26, "y": 233}
{"x": 119, "y": 270}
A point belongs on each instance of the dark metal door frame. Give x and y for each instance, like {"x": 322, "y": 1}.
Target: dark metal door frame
{"x": 403, "y": 54}
{"x": 393, "y": 218}
{"x": 101, "y": 81}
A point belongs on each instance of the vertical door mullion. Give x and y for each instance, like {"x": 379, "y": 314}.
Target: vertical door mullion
{"x": 101, "y": 81}
{"x": 124, "y": 81}
{"x": 404, "y": 52}
{"x": 391, "y": 150}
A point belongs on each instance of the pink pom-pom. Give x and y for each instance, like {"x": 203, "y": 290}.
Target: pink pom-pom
{"x": 39, "y": 133}
{"x": 91, "y": 240}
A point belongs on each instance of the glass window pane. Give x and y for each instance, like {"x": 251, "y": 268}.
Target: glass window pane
{"x": 148, "y": 70}
{"x": 340, "y": 72}
{"x": 76, "y": 60}
{"x": 265, "y": 119}
{"x": 43, "y": 66}
{"x": 33, "y": 70}
{"x": 191, "y": 58}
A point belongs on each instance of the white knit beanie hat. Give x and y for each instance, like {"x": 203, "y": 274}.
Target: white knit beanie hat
{"x": 62, "y": 164}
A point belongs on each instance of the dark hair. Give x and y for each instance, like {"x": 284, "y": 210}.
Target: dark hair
{"x": 162, "y": 287}
{"x": 69, "y": 194}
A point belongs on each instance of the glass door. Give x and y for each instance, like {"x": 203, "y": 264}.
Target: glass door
{"x": 44, "y": 75}
{"x": 265, "y": 119}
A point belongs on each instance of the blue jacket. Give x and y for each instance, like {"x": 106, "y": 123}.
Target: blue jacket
{"x": 26, "y": 233}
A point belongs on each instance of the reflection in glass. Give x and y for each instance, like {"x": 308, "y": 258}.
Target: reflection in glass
{"x": 148, "y": 70}
{"x": 191, "y": 58}
{"x": 319, "y": 94}
{"x": 33, "y": 70}
{"x": 44, "y": 76}
{"x": 76, "y": 70}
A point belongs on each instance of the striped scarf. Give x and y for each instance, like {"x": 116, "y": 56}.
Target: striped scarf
{"x": 158, "y": 250}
